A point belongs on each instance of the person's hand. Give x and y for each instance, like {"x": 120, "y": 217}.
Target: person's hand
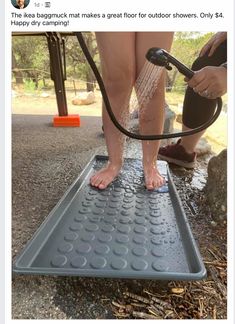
{"x": 213, "y": 43}
{"x": 209, "y": 82}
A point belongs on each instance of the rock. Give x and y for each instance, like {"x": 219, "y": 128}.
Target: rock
{"x": 85, "y": 98}
{"x": 168, "y": 125}
{"x": 45, "y": 95}
{"x": 216, "y": 186}
{"x": 203, "y": 147}
{"x": 169, "y": 120}
{"x": 179, "y": 118}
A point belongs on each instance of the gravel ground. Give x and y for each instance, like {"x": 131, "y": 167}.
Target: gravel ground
{"x": 46, "y": 161}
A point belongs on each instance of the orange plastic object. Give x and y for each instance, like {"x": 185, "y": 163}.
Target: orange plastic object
{"x": 66, "y": 121}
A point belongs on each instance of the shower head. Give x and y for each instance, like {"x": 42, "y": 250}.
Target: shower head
{"x": 160, "y": 57}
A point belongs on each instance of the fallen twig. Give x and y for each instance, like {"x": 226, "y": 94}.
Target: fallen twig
{"x": 218, "y": 282}
{"x": 143, "y": 315}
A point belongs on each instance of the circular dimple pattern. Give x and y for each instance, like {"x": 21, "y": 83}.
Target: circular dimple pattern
{"x": 104, "y": 237}
{"x": 140, "y": 206}
{"x": 105, "y": 193}
{"x": 119, "y": 231}
{"x": 128, "y": 195}
{"x": 155, "y": 221}
{"x": 125, "y": 212}
{"x": 172, "y": 240}
{"x": 91, "y": 227}
{"x": 86, "y": 203}
{"x": 83, "y": 248}
{"x": 111, "y": 212}
{"x": 65, "y": 248}
{"x": 139, "y": 264}
{"x": 158, "y": 252}
{"x": 140, "y": 239}
{"x": 110, "y": 220}
{"x": 87, "y": 237}
{"x": 58, "y": 261}
{"x": 113, "y": 205}
{"x": 102, "y": 249}
{"x": 155, "y": 213}
{"x": 124, "y": 220}
{"x": 98, "y": 262}
{"x": 157, "y": 230}
{"x": 115, "y": 199}
{"x": 116, "y": 194}
{"x": 139, "y": 251}
{"x": 100, "y": 204}
{"x": 139, "y": 202}
{"x": 140, "y": 229}
{"x": 128, "y": 190}
{"x": 156, "y": 241}
{"x": 80, "y": 218}
{"x": 127, "y": 206}
{"x": 122, "y": 238}
{"x": 84, "y": 210}
{"x": 154, "y": 208}
{"x": 102, "y": 199}
{"x": 141, "y": 196}
{"x": 160, "y": 266}
{"x": 89, "y": 198}
{"x": 118, "y": 264}
{"x": 71, "y": 236}
{"x": 125, "y": 229}
{"x": 95, "y": 219}
{"x": 107, "y": 228}
{"x": 140, "y": 213}
{"x": 119, "y": 190}
{"x": 98, "y": 211}
{"x": 76, "y": 227}
{"x": 78, "y": 262}
{"x": 140, "y": 221}
{"x": 92, "y": 193}
{"x": 153, "y": 201}
{"x": 120, "y": 250}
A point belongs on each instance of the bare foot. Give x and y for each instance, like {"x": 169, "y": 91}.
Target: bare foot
{"x": 105, "y": 176}
{"x": 153, "y": 179}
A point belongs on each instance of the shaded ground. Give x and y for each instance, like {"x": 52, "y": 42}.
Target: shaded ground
{"x": 46, "y": 161}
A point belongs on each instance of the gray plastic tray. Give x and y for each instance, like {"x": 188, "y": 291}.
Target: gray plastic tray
{"x": 124, "y": 231}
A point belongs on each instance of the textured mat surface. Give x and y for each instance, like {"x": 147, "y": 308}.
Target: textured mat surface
{"x": 123, "y": 231}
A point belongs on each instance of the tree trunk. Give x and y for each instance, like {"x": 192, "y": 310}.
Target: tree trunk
{"x": 89, "y": 81}
{"x": 17, "y": 74}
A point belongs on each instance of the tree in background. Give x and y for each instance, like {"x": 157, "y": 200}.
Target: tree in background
{"x": 186, "y": 48}
{"x": 30, "y": 58}
{"x": 77, "y": 64}
{"x": 30, "y": 53}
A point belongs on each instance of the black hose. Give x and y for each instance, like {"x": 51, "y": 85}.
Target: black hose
{"x": 113, "y": 118}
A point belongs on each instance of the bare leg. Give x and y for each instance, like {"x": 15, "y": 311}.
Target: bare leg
{"x": 190, "y": 142}
{"x": 151, "y": 121}
{"x": 117, "y": 52}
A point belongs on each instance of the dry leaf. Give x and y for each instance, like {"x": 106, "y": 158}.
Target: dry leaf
{"x": 177, "y": 290}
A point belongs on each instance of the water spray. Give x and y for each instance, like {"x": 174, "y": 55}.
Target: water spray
{"x": 158, "y": 57}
